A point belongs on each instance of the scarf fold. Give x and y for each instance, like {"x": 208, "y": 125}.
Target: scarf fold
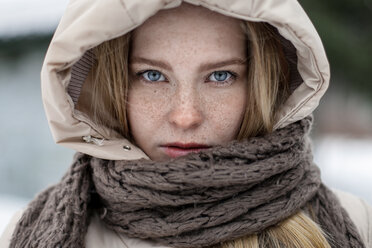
{"x": 198, "y": 200}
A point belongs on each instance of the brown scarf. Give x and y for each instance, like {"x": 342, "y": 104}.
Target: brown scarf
{"x": 194, "y": 201}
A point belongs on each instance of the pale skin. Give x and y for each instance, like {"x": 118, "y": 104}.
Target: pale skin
{"x": 188, "y": 81}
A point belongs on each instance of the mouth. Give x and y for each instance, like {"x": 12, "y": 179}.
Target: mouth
{"x": 177, "y": 149}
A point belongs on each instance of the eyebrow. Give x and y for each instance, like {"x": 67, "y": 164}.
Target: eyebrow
{"x": 202, "y": 67}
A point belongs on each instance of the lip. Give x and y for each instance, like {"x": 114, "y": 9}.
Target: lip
{"x": 178, "y": 149}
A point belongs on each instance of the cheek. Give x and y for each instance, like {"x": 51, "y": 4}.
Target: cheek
{"x": 145, "y": 110}
{"x": 226, "y": 111}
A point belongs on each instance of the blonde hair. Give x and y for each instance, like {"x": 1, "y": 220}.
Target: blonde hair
{"x": 268, "y": 78}
{"x": 297, "y": 231}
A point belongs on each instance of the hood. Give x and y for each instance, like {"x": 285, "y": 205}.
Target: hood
{"x": 87, "y": 23}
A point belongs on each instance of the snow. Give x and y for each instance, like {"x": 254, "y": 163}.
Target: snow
{"x": 346, "y": 164}
{"x": 22, "y": 17}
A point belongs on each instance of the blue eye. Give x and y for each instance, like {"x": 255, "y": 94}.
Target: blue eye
{"x": 153, "y": 76}
{"x": 220, "y": 76}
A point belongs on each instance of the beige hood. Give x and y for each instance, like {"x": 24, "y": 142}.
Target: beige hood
{"x": 87, "y": 23}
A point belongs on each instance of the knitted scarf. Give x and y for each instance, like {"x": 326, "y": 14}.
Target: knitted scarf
{"x": 197, "y": 200}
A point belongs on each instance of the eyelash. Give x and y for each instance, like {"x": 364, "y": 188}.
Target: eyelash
{"x": 233, "y": 77}
{"x": 140, "y": 74}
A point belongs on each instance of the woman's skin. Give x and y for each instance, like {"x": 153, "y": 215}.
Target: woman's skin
{"x": 188, "y": 81}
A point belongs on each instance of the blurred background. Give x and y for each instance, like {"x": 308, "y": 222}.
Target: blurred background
{"x": 30, "y": 161}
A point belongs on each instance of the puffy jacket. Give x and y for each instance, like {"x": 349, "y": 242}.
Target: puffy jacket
{"x": 87, "y": 23}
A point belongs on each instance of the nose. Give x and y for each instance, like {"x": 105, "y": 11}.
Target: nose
{"x": 186, "y": 111}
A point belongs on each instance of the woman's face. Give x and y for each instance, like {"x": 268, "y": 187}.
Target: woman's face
{"x": 188, "y": 81}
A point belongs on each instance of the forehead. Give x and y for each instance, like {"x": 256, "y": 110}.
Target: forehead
{"x": 190, "y": 27}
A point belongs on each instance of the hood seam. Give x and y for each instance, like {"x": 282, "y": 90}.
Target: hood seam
{"x": 126, "y": 10}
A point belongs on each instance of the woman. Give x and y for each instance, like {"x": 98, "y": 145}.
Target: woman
{"x": 191, "y": 125}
